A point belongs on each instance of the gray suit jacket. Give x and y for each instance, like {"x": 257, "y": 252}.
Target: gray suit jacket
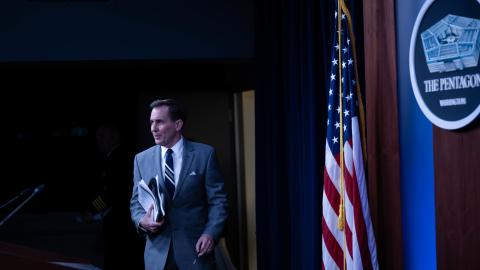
{"x": 199, "y": 206}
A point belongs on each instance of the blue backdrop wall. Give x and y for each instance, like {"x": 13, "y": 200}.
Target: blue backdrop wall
{"x": 416, "y": 155}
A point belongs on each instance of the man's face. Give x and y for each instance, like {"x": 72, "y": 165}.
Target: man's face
{"x": 165, "y": 131}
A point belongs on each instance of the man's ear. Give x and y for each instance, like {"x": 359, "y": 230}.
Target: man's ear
{"x": 178, "y": 124}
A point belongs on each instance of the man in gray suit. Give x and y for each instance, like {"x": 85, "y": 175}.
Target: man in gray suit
{"x": 188, "y": 176}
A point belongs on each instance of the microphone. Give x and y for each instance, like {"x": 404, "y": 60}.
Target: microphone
{"x": 23, "y": 192}
{"x": 37, "y": 190}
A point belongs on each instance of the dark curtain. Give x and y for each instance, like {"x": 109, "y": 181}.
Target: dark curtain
{"x": 293, "y": 43}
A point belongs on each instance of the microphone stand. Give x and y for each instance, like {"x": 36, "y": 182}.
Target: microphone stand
{"x": 35, "y": 191}
{"x": 16, "y": 197}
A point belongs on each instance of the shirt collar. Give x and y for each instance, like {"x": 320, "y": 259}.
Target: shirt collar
{"x": 177, "y": 148}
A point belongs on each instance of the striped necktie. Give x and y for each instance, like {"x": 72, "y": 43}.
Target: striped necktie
{"x": 169, "y": 173}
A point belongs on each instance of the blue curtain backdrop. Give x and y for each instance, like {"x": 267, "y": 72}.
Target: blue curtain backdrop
{"x": 293, "y": 43}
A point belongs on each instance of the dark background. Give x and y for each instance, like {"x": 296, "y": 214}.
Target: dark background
{"x": 67, "y": 66}
{"x": 49, "y": 127}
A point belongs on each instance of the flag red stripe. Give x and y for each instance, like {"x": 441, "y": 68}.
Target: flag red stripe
{"x": 348, "y": 179}
{"x": 348, "y": 235}
{"x": 332, "y": 245}
{"x": 332, "y": 194}
{"x": 361, "y": 229}
{"x": 351, "y": 188}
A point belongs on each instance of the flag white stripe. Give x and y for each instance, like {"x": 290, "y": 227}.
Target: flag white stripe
{"x": 357, "y": 257}
{"x": 347, "y": 150}
{"x": 333, "y": 170}
{"x": 349, "y": 218}
{"x": 327, "y": 258}
{"x": 331, "y": 220}
{"x": 361, "y": 182}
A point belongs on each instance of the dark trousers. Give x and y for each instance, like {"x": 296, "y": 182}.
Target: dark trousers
{"x": 171, "y": 264}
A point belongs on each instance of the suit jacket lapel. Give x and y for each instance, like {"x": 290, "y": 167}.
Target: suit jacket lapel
{"x": 188, "y": 155}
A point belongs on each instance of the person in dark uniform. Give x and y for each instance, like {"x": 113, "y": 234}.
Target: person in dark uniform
{"x": 123, "y": 247}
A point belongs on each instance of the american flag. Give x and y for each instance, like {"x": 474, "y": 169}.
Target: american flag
{"x": 345, "y": 200}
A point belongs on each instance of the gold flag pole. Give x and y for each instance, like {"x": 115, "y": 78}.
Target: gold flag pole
{"x": 341, "y": 216}
{"x": 357, "y": 84}
{"x": 341, "y": 212}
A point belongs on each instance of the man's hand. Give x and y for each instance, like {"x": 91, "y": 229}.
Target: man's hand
{"x": 205, "y": 244}
{"x": 148, "y": 224}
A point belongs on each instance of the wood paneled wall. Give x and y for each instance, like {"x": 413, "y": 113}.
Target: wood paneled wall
{"x": 456, "y": 159}
{"x": 457, "y": 197}
{"x": 382, "y": 130}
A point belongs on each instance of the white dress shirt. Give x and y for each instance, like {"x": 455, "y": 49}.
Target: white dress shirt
{"x": 177, "y": 156}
